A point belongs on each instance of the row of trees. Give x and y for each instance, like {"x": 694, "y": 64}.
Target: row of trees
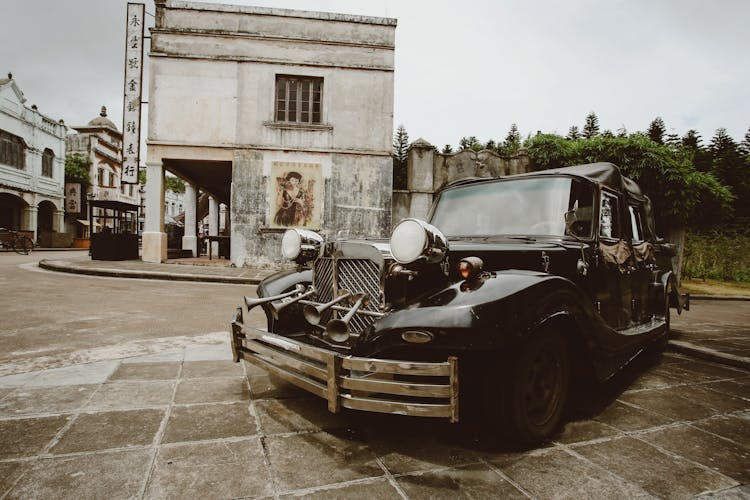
{"x": 702, "y": 184}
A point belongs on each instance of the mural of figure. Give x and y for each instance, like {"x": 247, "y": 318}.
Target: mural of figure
{"x": 294, "y": 206}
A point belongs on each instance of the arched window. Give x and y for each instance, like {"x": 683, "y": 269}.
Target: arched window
{"x": 48, "y": 162}
{"x": 12, "y": 150}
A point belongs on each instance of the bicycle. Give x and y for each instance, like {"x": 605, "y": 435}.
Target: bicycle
{"x": 14, "y": 241}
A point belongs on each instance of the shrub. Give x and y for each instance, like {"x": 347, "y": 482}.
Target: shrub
{"x": 717, "y": 255}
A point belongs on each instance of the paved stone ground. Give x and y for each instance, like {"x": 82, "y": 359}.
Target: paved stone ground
{"x": 190, "y": 423}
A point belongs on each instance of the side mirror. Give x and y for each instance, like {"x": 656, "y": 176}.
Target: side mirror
{"x": 582, "y": 266}
{"x": 570, "y": 219}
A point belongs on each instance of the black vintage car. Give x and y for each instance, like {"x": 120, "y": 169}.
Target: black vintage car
{"x": 520, "y": 286}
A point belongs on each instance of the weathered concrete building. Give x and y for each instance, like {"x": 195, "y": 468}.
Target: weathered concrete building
{"x": 284, "y": 116}
{"x": 32, "y": 165}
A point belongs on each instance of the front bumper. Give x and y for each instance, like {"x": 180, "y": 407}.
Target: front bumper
{"x": 369, "y": 384}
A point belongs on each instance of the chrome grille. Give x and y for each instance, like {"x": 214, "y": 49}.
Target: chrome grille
{"x": 355, "y": 275}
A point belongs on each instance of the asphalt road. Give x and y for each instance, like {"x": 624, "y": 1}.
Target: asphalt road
{"x": 53, "y": 319}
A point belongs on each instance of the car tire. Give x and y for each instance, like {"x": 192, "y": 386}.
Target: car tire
{"x": 538, "y": 393}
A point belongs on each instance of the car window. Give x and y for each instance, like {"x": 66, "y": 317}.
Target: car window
{"x": 635, "y": 223}
{"x": 519, "y": 206}
{"x": 609, "y": 220}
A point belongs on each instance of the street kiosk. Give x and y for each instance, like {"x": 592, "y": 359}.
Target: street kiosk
{"x": 114, "y": 234}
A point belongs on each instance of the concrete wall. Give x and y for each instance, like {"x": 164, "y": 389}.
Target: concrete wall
{"x": 212, "y": 92}
{"x": 428, "y": 171}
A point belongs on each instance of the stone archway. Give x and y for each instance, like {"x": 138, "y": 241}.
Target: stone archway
{"x": 45, "y": 216}
{"x": 11, "y": 211}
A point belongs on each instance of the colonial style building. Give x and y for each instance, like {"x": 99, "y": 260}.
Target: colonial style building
{"x": 285, "y": 117}
{"x": 32, "y": 165}
{"x": 101, "y": 142}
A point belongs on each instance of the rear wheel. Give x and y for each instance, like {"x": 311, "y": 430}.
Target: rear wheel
{"x": 24, "y": 245}
{"x": 539, "y": 388}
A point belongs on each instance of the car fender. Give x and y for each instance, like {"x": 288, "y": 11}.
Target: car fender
{"x": 669, "y": 281}
{"x": 501, "y": 308}
{"x": 283, "y": 281}
{"x": 277, "y": 284}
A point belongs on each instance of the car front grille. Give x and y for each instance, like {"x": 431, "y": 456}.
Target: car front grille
{"x": 355, "y": 275}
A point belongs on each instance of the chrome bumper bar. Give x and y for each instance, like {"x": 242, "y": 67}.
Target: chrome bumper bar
{"x": 367, "y": 384}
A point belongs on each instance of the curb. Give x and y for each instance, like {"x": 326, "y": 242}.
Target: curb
{"x": 709, "y": 354}
{"x": 717, "y": 297}
{"x": 153, "y": 275}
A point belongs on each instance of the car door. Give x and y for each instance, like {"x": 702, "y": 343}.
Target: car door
{"x": 612, "y": 279}
{"x": 642, "y": 268}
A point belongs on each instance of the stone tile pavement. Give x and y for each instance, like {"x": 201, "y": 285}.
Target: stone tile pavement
{"x": 190, "y": 423}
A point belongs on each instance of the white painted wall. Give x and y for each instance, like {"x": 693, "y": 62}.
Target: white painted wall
{"x": 40, "y": 132}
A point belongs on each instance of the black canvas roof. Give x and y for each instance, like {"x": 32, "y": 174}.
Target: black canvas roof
{"x": 607, "y": 174}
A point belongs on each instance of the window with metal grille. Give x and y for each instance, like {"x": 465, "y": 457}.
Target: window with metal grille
{"x": 48, "y": 160}
{"x": 12, "y": 150}
{"x": 298, "y": 99}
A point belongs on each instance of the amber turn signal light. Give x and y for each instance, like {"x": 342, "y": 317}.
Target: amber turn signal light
{"x": 470, "y": 267}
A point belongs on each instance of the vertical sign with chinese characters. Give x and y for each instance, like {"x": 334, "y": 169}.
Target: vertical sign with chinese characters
{"x": 73, "y": 197}
{"x": 131, "y": 113}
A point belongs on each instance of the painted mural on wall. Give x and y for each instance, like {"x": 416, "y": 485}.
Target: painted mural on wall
{"x": 297, "y": 195}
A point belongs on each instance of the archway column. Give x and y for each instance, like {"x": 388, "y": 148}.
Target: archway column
{"x": 213, "y": 222}
{"x": 154, "y": 237}
{"x": 58, "y": 221}
{"x": 190, "y": 240}
{"x": 30, "y": 219}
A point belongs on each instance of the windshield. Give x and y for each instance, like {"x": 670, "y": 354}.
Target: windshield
{"x": 533, "y": 206}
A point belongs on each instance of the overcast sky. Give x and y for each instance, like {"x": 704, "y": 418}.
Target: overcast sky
{"x": 468, "y": 67}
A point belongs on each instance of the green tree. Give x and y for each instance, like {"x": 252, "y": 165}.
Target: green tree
{"x": 447, "y": 149}
{"x": 174, "y": 184}
{"x": 731, "y": 168}
{"x": 656, "y": 130}
{"x": 512, "y": 142}
{"x": 573, "y": 133}
{"x": 673, "y": 140}
{"x": 692, "y": 144}
{"x": 722, "y": 143}
{"x": 78, "y": 169}
{"x": 745, "y": 144}
{"x": 470, "y": 142}
{"x": 401, "y": 144}
{"x": 491, "y": 145}
{"x": 692, "y": 139}
{"x": 400, "y": 153}
{"x": 591, "y": 127}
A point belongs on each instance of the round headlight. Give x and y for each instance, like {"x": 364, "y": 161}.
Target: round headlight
{"x": 291, "y": 244}
{"x": 413, "y": 239}
{"x": 301, "y": 245}
{"x": 408, "y": 241}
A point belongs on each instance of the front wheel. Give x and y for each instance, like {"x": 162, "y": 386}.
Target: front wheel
{"x": 24, "y": 245}
{"x": 539, "y": 388}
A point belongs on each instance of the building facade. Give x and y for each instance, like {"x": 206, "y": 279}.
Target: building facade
{"x": 285, "y": 117}
{"x": 101, "y": 142}
{"x": 32, "y": 165}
